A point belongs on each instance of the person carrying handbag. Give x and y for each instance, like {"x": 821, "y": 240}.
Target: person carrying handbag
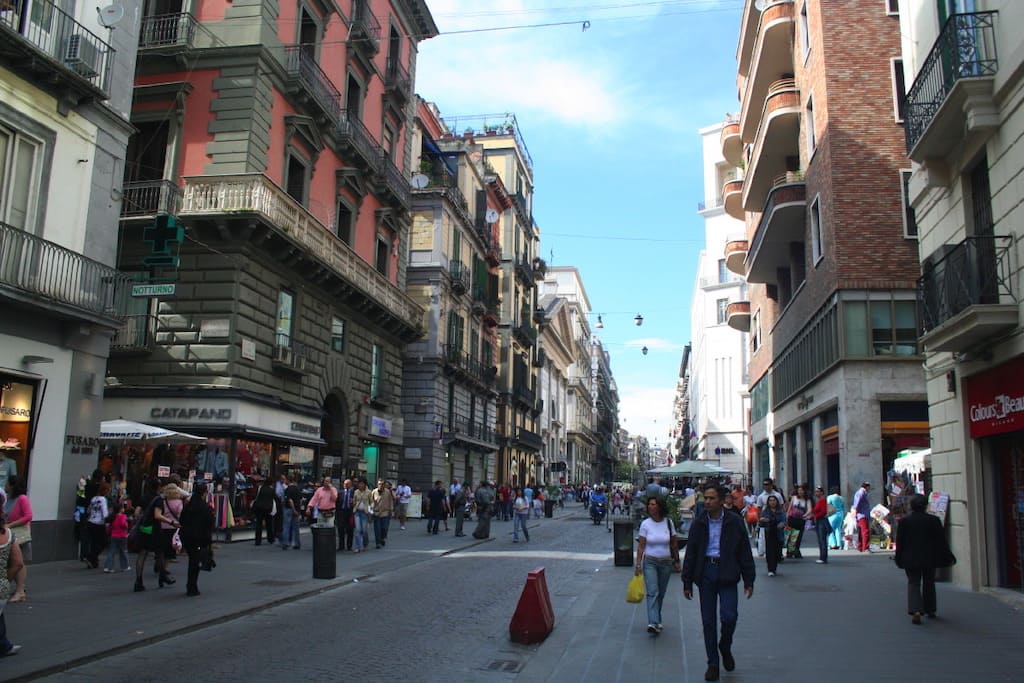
{"x": 11, "y": 563}
{"x": 197, "y": 523}
{"x": 657, "y": 556}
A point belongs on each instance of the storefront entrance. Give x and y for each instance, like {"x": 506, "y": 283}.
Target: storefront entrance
{"x": 1009, "y": 455}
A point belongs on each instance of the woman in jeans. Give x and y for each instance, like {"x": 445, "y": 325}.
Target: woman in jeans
{"x": 361, "y": 503}
{"x": 819, "y": 513}
{"x": 521, "y": 515}
{"x": 657, "y": 556}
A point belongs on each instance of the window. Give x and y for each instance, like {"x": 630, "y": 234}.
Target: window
{"x": 755, "y": 331}
{"x": 337, "y": 335}
{"x": 295, "y": 182}
{"x": 805, "y": 33}
{"x": 892, "y": 7}
{"x": 892, "y": 331}
{"x": 723, "y": 305}
{"x": 855, "y": 328}
{"x": 456, "y": 330}
{"x": 376, "y": 371}
{"x": 354, "y": 98}
{"x": 899, "y": 89}
{"x": 816, "y": 239}
{"x": 20, "y": 174}
{"x": 723, "y": 272}
{"x": 382, "y": 256}
{"x": 343, "y": 222}
{"x": 909, "y": 215}
{"x": 285, "y": 314}
{"x": 812, "y": 141}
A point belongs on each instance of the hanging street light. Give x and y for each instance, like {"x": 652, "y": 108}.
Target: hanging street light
{"x": 600, "y": 323}
{"x": 644, "y": 350}
{"x": 639, "y": 320}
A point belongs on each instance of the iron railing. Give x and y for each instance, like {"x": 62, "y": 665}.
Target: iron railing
{"x": 365, "y": 27}
{"x": 524, "y": 268}
{"x": 394, "y": 181}
{"x": 136, "y": 335}
{"x": 522, "y": 209}
{"x": 974, "y": 272}
{"x": 37, "y": 267}
{"x": 396, "y": 77}
{"x": 352, "y": 133}
{"x": 965, "y": 48}
{"x": 475, "y": 430}
{"x": 530, "y": 439}
{"x": 171, "y": 30}
{"x": 459, "y": 274}
{"x": 504, "y": 123}
{"x": 307, "y": 74}
{"x": 448, "y": 184}
{"x": 255, "y": 193}
{"x": 55, "y": 33}
{"x": 525, "y": 333}
{"x": 150, "y": 198}
{"x": 456, "y": 357}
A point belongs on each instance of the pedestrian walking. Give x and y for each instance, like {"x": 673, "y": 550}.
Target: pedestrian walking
{"x": 196, "y": 535}
{"x": 484, "y": 497}
{"x": 382, "y": 506}
{"x": 97, "y": 524}
{"x": 459, "y": 503}
{"x": 404, "y": 494}
{"x": 657, "y": 556}
{"x": 717, "y": 557}
{"x": 19, "y": 520}
{"x": 11, "y": 563}
{"x": 346, "y": 517}
{"x": 291, "y": 502}
{"x": 773, "y": 524}
{"x": 361, "y": 501}
{"x": 862, "y": 508}
{"x": 264, "y": 509}
{"x": 796, "y": 516}
{"x": 819, "y": 515}
{"x": 836, "y": 514}
{"x": 118, "y": 542}
{"x": 437, "y": 507}
{"x": 521, "y": 512}
{"x": 921, "y": 547}
{"x": 324, "y": 502}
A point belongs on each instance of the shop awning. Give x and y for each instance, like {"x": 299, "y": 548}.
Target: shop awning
{"x": 113, "y": 431}
{"x": 913, "y": 461}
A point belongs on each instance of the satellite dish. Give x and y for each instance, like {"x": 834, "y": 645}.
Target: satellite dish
{"x": 110, "y": 15}
{"x": 491, "y": 216}
{"x": 759, "y": 5}
{"x": 419, "y": 181}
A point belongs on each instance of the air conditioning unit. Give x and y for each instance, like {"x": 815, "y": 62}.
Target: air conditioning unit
{"x": 283, "y": 355}
{"x": 82, "y": 56}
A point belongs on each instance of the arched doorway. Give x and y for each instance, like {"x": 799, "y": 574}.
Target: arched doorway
{"x": 334, "y": 430}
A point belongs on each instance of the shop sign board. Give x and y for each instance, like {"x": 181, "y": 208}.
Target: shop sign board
{"x": 995, "y": 400}
{"x": 163, "y": 470}
{"x": 153, "y": 290}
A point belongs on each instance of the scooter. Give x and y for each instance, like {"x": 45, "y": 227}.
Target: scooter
{"x": 597, "y": 512}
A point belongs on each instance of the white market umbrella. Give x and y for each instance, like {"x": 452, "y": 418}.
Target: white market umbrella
{"x": 127, "y": 430}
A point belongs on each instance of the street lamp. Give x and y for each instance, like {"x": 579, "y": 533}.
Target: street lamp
{"x": 639, "y": 320}
{"x": 644, "y": 350}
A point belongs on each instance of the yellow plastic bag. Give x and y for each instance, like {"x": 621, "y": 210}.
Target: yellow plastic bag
{"x": 635, "y": 589}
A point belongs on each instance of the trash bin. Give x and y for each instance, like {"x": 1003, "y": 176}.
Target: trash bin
{"x": 549, "y": 508}
{"x": 622, "y": 539}
{"x": 324, "y": 548}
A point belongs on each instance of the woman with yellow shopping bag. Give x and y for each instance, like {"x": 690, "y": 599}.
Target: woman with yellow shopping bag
{"x": 657, "y": 556}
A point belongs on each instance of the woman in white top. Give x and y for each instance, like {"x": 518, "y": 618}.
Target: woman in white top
{"x": 657, "y": 556}
{"x": 521, "y": 510}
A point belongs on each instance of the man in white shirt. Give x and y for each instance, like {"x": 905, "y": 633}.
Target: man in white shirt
{"x": 404, "y": 495}
{"x": 769, "y": 490}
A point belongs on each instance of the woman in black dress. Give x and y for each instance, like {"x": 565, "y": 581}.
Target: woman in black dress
{"x": 196, "y": 535}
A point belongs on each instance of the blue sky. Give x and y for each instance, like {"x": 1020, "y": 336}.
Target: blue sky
{"x": 610, "y": 116}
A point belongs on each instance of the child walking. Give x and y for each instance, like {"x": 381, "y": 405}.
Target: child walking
{"x": 118, "y": 542}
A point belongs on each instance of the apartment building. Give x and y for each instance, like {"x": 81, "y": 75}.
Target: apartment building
{"x": 449, "y": 390}
{"x": 267, "y": 204}
{"x": 554, "y": 358}
{"x": 962, "y": 115}
{"x": 65, "y": 94}
{"x": 717, "y": 380}
{"x": 836, "y": 383}
{"x": 581, "y": 409}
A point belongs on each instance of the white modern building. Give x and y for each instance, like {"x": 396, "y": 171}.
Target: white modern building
{"x": 718, "y": 398}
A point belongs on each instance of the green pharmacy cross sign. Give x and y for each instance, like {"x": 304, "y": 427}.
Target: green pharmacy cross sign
{"x": 163, "y": 235}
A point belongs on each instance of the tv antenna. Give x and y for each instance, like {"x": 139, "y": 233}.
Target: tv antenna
{"x": 109, "y": 16}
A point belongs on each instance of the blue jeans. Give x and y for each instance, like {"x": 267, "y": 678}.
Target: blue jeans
{"x": 520, "y": 522}
{"x": 118, "y": 546}
{"x": 716, "y": 597}
{"x": 290, "y": 529}
{"x": 657, "y": 572}
{"x": 5, "y": 645}
{"x": 362, "y": 536}
{"x": 380, "y": 530}
{"x": 824, "y": 531}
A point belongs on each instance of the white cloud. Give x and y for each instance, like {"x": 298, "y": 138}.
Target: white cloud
{"x": 647, "y": 410}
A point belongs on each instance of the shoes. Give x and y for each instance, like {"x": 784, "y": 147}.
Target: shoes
{"x": 138, "y": 586}
{"x": 820, "y": 562}
{"x": 711, "y": 674}
{"x": 916, "y": 619}
{"x": 652, "y": 629}
{"x": 402, "y": 527}
{"x": 460, "y": 534}
{"x": 126, "y": 569}
{"x": 728, "y": 663}
{"x": 660, "y": 628}
{"x": 105, "y": 571}
{"x": 515, "y": 540}
{"x": 15, "y": 649}
{"x": 931, "y": 615}
{"x": 378, "y": 546}
{"x": 771, "y": 573}
{"x": 18, "y": 597}
{"x": 166, "y": 579}
{"x": 192, "y": 593}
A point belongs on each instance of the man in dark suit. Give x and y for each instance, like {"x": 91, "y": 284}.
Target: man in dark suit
{"x": 921, "y": 546}
{"x": 717, "y": 556}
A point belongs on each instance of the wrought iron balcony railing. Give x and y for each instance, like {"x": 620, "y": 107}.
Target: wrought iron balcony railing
{"x": 974, "y": 272}
{"x": 460, "y": 276}
{"x": 394, "y": 181}
{"x": 529, "y": 439}
{"x": 525, "y": 333}
{"x": 353, "y": 136}
{"x": 255, "y": 193}
{"x": 42, "y": 28}
{"x": 150, "y": 198}
{"x": 305, "y": 73}
{"x": 136, "y": 335}
{"x": 172, "y": 30}
{"x": 396, "y": 78}
{"x": 524, "y": 268}
{"x": 364, "y": 31}
{"x": 965, "y": 48}
{"x": 32, "y": 268}
{"x": 474, "y": 430}
{"x": 457, "y": 358}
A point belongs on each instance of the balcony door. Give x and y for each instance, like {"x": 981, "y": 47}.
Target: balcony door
{"x": 986, "y": 278}
{"x": 950, "y": 7}
{"x": 162, "y": 23}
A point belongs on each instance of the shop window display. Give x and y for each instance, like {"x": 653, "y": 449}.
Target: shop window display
{"x": 252, "y": 465}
